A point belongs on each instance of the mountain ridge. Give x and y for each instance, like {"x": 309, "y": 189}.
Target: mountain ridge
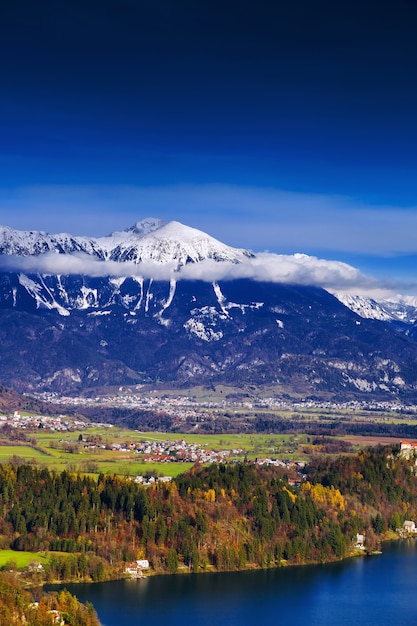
{"x": 66, "y": 332}
{"x": 148, "y": 239}
{"x": 151, "y": 244}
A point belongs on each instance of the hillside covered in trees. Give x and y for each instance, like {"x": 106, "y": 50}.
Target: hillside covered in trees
{"x": 222, "y": 517}
{"x": 17, "y": 607}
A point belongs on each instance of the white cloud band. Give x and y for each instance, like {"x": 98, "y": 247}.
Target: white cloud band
{"x": 276, "y": 268}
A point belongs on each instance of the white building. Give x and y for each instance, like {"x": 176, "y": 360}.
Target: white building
{"x": 409, "y": 527}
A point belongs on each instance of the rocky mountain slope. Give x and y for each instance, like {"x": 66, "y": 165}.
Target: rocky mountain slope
{"x": 78, "y": 312}
{"x": 401, "y": 311}
{"x": 11, "y": 401}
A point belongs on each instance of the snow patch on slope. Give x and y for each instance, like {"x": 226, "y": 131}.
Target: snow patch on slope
{"x": 87, "y": 299}
{"x": 36, "y": 291}
{"x": 365, "y": 307}
{"x": 203, "y": 323}
{"x": 167, "y": 303}
{"x": 220, "y": 298}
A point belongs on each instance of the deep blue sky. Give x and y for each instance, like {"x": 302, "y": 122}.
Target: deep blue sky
{"x": 288, "y": 126}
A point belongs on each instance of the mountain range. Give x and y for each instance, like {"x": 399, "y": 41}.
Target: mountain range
{"x": 162, "y": 302}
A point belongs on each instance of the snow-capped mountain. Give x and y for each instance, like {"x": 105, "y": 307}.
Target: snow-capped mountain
{"x": 69, "y": 330}
{"x": 148, "y": 240}
{"x": 169, "y": 243}
{"x": 44, "y": 278}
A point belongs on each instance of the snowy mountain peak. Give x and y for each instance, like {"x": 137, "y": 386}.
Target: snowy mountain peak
{"x": 146, "y": 226}
{"x": 173, "y": 242}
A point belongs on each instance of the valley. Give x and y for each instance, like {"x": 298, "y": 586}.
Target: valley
{"x": 204, "y": 428}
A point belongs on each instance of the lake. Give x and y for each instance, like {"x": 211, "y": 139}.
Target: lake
{"x": 379, "y": 590}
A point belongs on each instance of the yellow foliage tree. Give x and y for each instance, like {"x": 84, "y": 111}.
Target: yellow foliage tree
{"x": 210, "y": 495}
{"x": 291, "y": 494}
{"x": 325, "y": 495}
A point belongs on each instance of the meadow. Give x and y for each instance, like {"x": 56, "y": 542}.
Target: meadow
{"x": 12, "y": 558}
{"x": 67, "y": 450}
{"x": 73, "y": 450}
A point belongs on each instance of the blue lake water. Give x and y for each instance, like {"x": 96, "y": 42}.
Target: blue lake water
{"x": 379, "y": 590}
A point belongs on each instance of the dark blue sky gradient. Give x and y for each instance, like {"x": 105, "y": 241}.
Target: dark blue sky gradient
{"x": 309, "y": 97}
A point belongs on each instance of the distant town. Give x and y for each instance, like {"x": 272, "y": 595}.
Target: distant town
{"x": 28, "y": 422}
{"x": 190, "y": 408}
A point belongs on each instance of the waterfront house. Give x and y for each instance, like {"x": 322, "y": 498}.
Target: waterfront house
{"x": 135, "y": 568}
{"x": 409, "y": 527}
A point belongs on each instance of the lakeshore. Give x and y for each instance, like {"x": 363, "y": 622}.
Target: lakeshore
{"x": 363, "y": 591}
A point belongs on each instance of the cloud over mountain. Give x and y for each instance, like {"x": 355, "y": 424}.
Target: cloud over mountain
{"x": 161, "y": 250}
{"x": 275, "y": 268}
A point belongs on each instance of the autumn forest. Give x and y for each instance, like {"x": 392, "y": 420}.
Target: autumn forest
{"x": 221, "y": 517}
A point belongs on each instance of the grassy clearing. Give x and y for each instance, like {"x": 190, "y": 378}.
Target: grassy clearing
{"x": 248, "y": 443}
{"x": 26, "y": 452}
{"x": 364, "y": 441}
{"x": 22, "y": 559}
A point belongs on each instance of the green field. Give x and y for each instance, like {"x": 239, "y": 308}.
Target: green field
{"x": 22, "y": 559}
{"x": 26, "y": 452}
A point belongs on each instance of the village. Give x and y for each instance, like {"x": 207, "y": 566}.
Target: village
{"x": 161, "y": 451}
{"x": 53, "y": 423}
